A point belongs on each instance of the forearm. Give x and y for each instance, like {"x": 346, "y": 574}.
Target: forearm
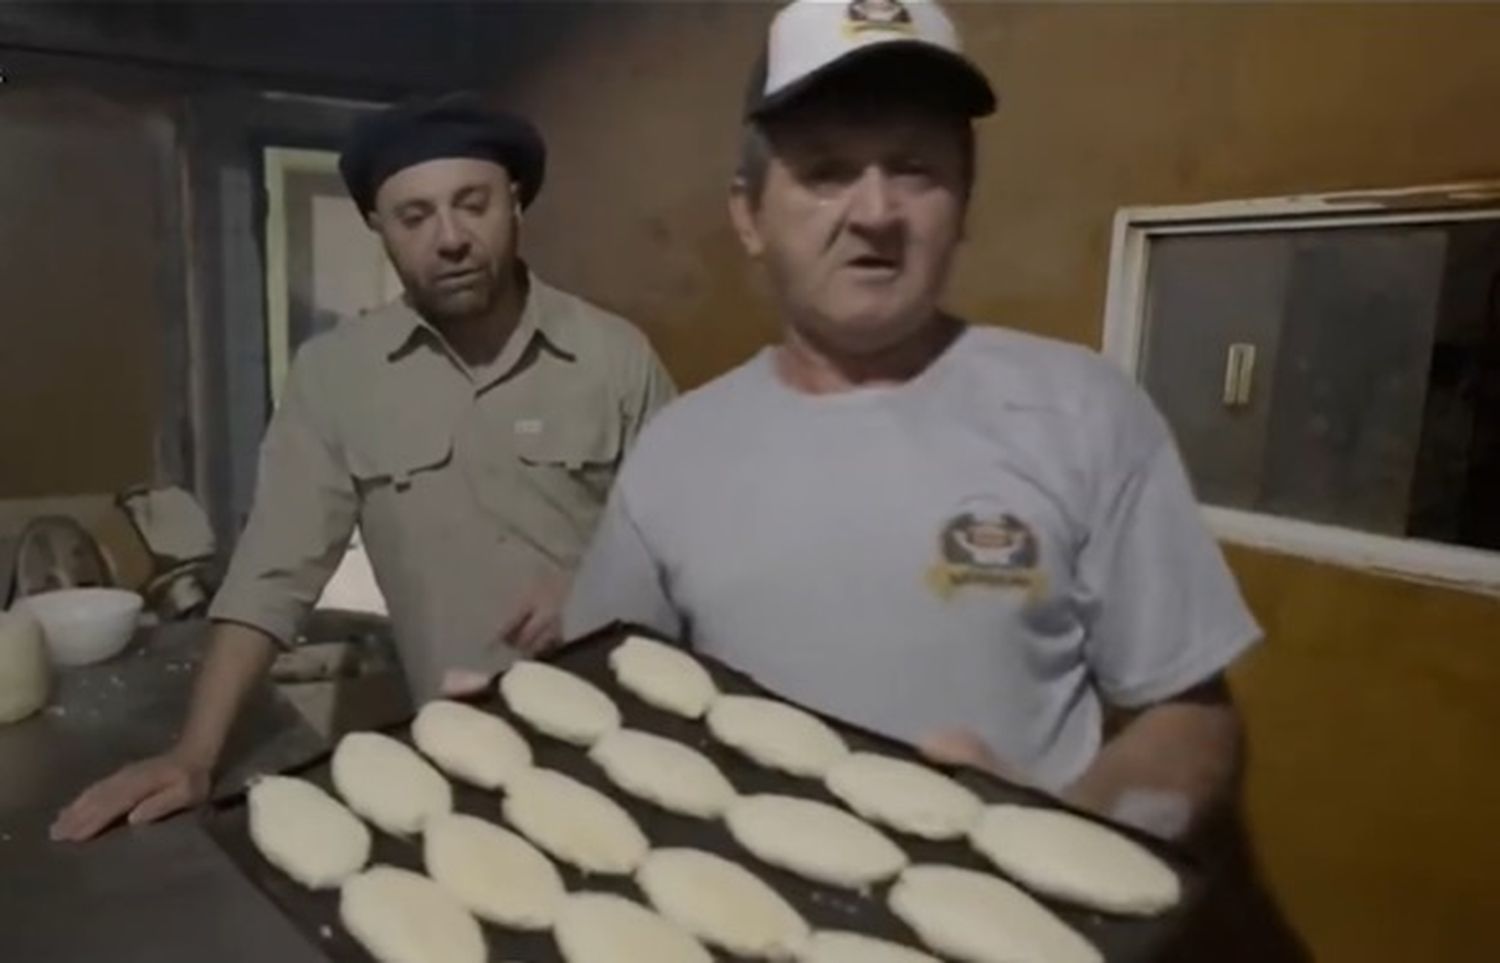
{"x": 238, "y": 656}
{"x": 1166, "y": 769}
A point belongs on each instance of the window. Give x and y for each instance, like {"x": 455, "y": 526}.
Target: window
{"x": 1330, "y": 367}
{"x": 322, "y": 262}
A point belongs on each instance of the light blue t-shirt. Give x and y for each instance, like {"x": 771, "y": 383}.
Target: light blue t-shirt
{"x": 1004, "y": 544}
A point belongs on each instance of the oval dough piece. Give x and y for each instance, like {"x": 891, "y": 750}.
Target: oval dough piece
{"x": 979, "y": 918}
{"x": 721, "y": 903}
{"x": 386, "y": 782}
{"x": 603, "y": 928}
{"x": 403, "y": 917}
{"x": 776, "y": 735}
{"x": 496, "y": 874}
{"x": 306, "y": 833}
{"x": 905, "y": 796}
{"x": 558, "y": 703}
{"x": 814, "y": 840}
{"x": 469, "y": 744}
{"x": 838, "y": 946}
{"x": 663, "y": 676}
{"x": 665, "y": 772}
{"x": 575, "y": 823}
{"x": 1059, "y": 854}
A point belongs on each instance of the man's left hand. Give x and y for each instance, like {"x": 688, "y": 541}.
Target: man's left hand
{"x": 536, "y": 624}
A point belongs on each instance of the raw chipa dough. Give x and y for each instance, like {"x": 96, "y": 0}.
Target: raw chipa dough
{"x": 306, "y": 833}
{"x": 388, "y": 783}
{"x": 603, "y": 928}
{"x": 665, "y": 772}
{"x": 404, "y": 917}
{"x": 814, "y": 840}
{"x": 1071, "y": 858}
{"x": 722, "y": 903}
{"x": 838, "y": 946}
{"x": 663, "y": 676}
{"x": 558, "y": 703}
{"x": 905, "y": 796}
{"x": 496, "y": 874}
{"x": 979, "y": 918}
{"x": 575, "y": 823}
{"x": 776, "y": 735}
{"x": 469, "y": 744}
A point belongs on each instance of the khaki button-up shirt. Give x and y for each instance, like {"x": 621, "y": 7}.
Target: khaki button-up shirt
{"x": 467, "y": 485}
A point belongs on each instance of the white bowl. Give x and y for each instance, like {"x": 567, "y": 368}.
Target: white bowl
{"x": 85, "y": 625}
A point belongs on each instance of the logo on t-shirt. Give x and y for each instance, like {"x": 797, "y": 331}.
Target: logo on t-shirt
{"x": 986, "y": 546}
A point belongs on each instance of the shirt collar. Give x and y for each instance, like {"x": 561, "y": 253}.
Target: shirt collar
{"x": 541, "y": 317}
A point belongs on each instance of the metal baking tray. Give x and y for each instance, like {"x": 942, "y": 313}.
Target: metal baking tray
{"x": 1120, "y": 939}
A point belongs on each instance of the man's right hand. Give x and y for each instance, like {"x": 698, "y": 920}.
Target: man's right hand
{"x": 141, "y": 792}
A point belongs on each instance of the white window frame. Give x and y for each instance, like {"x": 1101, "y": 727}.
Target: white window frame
{"x": 1124, "y": 330}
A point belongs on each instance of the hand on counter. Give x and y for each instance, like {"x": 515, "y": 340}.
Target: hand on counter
{"x": 142, "y": 792}
{"x": 536, "y": 625}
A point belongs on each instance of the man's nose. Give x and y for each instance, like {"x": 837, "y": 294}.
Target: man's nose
{"x": 872, "y": 201}
{"x": 452, "y": 240}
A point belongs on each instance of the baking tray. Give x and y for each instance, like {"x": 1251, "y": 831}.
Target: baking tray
{"x": 1120, "y": 939}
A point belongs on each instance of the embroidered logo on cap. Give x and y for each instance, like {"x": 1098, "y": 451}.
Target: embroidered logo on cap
{"x": 889, "y": 16}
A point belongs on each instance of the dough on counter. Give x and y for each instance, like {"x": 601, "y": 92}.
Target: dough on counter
{"x": 403, "y": 917}
{"x": 776, "y": 735}
{"x": 496, "y": 874}
{"x": 558, "y": 703}
{"x": 814, "y": 840}
{"x": 665, "y": 772}
{"x": 386, "y": 782}
{"x": 1068, "y": 857}
{"x": 469, "y": 744}
{"x": 979, "y": 918}
{"x": 663, "y": 676}
{"x": 574, "y": 822}
{"x": 905, "y": 796}
{"x": 839, "y": 946}
{"x": 604, "y": 928}
{"x": 306, "y": 833}
{"x": 722, "y": 903}
{"x": 25, "y": 671}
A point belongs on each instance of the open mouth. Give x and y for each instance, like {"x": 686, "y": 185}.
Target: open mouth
{"x": 875, "y": 263}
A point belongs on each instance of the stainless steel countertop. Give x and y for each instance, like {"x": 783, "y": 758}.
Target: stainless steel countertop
{"x": 155, "y": 894}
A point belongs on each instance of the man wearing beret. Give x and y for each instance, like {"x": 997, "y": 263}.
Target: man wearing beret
{"x": 471, "y": 430}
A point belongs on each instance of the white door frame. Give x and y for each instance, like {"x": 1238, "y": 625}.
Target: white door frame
{"x": 1124, "y": 330}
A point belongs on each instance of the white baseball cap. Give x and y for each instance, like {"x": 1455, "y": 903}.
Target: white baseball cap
{"x": 810, "y": 39}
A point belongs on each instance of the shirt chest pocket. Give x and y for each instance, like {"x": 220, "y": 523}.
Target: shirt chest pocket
{"x": 580, "y": 454}
{"x": 397, "y": 475}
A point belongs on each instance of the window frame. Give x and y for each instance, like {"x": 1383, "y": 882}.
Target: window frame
{"x": 1134, "y": 229}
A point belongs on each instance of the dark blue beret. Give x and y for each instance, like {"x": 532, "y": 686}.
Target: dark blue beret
{"x": 455, "y": 125}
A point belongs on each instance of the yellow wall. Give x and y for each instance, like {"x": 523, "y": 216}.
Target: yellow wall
{"x": 1374, "y": 709}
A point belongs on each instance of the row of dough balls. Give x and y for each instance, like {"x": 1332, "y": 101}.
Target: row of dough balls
{"x": 478, "y": 869}
{"x": 1050, "y": 851}
{"x": 969, "y": 915}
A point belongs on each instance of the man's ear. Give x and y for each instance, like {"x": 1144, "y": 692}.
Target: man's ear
{"x": 742, "y": 216}
{"x": 372, "y": 220}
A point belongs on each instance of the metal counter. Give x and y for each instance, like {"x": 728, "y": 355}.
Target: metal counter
{"x": 156, "y": 894}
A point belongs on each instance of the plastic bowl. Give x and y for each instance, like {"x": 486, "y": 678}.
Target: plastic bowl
{"x": 85, "y": 625}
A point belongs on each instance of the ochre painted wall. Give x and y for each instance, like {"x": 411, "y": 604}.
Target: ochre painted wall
{"x": 1374, "y": 707}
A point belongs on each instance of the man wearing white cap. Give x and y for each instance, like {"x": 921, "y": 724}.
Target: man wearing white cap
{"x": 972, "y": 539}
{"x": 969, "y": 538}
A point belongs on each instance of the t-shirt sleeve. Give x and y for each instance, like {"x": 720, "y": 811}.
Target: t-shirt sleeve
{"x": 1164, "y": 612}
{"x": 620, "y": 579}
